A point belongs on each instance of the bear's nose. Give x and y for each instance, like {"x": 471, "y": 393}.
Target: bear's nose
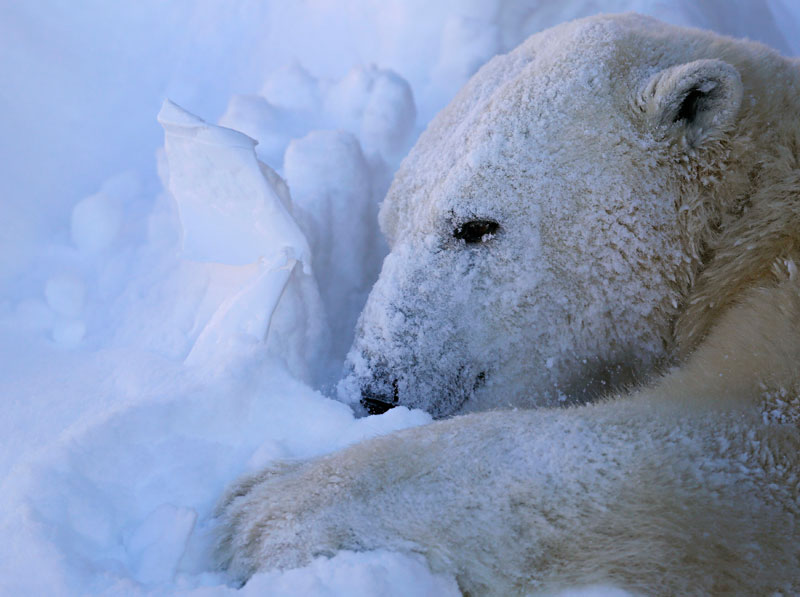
{"x": 377, "y": 402}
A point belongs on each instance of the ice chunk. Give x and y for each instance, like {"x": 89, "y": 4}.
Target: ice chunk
{"x": 236, "y": 210}
{"x": 65, "y": 294}
{"x": 297, "y": 334}
{"x": 245, "y": 315}
{"x": 228, "y": 211}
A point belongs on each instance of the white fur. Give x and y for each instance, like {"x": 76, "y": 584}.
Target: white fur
{"x": 638, "y": 230}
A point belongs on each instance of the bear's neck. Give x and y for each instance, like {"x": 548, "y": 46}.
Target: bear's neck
{"x": 752, "y": 350}
{"x": 758, "y": 248}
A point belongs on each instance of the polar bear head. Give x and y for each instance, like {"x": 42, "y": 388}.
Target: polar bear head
{"x": 554, "y": 232}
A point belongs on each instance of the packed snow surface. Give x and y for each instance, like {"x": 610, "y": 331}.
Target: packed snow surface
{"x": 178, "y": 295}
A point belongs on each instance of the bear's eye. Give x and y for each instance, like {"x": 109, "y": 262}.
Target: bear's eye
{"x": 476, "y": 231}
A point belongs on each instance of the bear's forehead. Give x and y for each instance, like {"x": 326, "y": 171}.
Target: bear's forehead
{"x": 579, "y": 71}
{"x": 527, "y": 110}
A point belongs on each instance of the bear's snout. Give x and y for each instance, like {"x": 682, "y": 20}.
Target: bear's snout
{"x": 378, "y": 401}
{"x": 383, "y": 392}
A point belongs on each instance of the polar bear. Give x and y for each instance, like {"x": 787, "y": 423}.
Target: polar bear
{"x": 615, "y": 202}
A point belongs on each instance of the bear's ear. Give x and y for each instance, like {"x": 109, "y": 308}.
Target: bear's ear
{"x": 699, "y": 99}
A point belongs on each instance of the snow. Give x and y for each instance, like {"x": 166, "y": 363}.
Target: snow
{"x": 95, "y": 222}
{"x": 332, "y": 188}
{"x": 64, "y": 294}
{"x": 229, "y": 212}
{"x": 173, "y": 313}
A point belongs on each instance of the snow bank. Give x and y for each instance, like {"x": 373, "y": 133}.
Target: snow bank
{"x": 164, "y": 321}
{"x": 123, "y": 500}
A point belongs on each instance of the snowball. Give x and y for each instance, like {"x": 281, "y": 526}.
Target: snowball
{"x": 346, "y": 99}
{"x": 69, "y": 334}
{"x": 97, "y": 219}
{"x": 95, "y": 222}
{"x": 375, "y": 104}
{"x": 123, "y": 185}
{"x": 378, "y": 105}
{"x": 293, "y": 88}
{"x": 389, "y": 116}
{"x": 65, "y": 294}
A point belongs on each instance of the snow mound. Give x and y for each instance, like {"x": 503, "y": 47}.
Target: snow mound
{"x": 125, "y": 499}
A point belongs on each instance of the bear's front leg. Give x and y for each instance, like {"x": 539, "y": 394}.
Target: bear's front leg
{"x": 284, "y": 516}
{"x": 649, "y": 494}
{"x": 408, "y": 491}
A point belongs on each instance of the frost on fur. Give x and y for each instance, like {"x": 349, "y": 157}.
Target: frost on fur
{"x": 609, "y": 188}
{"x": 613, "y": 199}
